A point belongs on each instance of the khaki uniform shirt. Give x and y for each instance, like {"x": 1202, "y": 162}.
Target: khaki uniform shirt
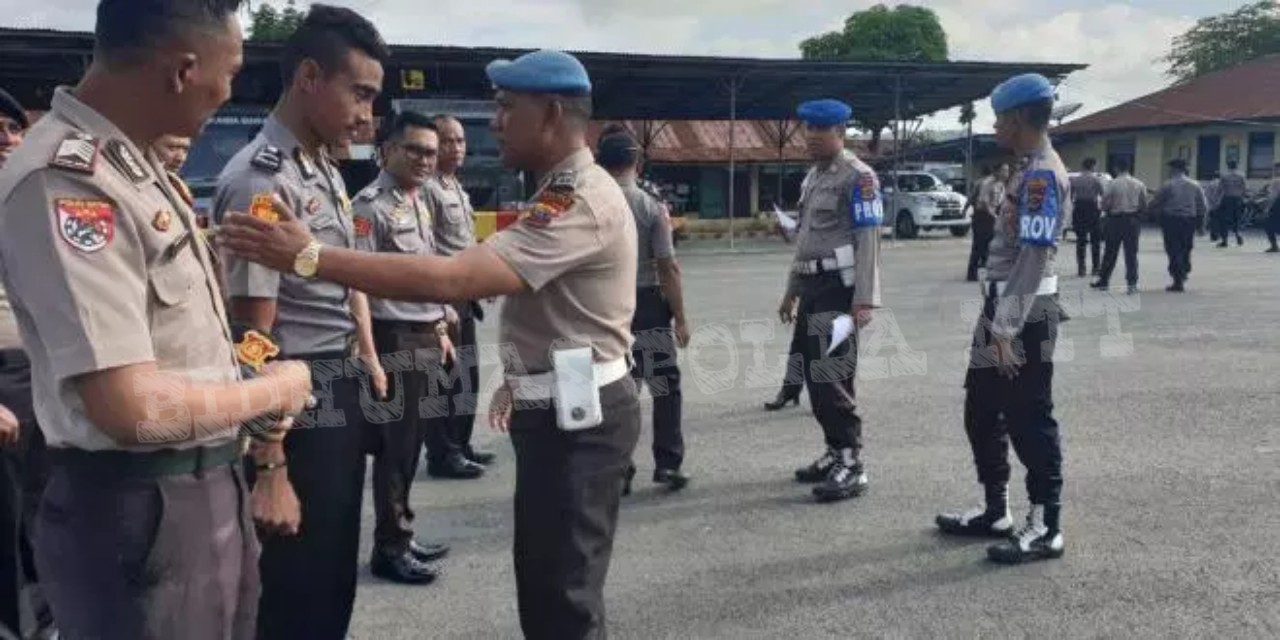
{"x": 1233, "y": 185}
{"x": 1125, "y": 195}
{"x": 840, "y": 205}
{"x": 575, "y": 249}
{"x": 388, "y": 220}
{"x": 1181, "y": 197}
{"x": 313, "y": 316}
{"x": 453, "y": 220}
{"x": 9, "y": 338}
{"x": 653, "y": 228}
{"x": 105, "y": 268}
{"x": 1086, "y": 187}
{"x": 992, "y": 195}
{"x": 1025, "y": 245}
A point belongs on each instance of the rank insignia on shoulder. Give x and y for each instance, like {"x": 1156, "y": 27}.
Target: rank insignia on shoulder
{"x": 76, "y": 152}
{"x": 119, "y": 154}
{"x": 162, "y": 221}
{"x": 564, "y": 181}
{"x": 305, "y": 166}
{"x": 268, "y": 157}
{"x": 548, "y": 206}
{"x": 363, "y": 226}
{"x": 254, "y": 349}
{"x": 264, "y": 208}
{"x": 86, "y": 225}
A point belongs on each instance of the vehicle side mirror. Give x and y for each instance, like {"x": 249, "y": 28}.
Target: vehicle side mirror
{"x": 888, "y": 190}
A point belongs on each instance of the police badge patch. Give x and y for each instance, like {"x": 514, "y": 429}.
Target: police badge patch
{"x": 87, "y": 225}
{"x": 363, "y": 226}
{"x": 547, "y": 207}
{"x": 1038, "y": 213}
{"x": 264, "y": 208}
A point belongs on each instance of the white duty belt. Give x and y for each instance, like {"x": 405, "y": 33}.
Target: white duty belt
{"x": 541, "y": 386}
{"x": 815, "y": 267}
{"x": 1048, "y": 286}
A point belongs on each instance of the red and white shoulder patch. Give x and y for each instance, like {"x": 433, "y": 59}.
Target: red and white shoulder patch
{"x": 86, "y": 225}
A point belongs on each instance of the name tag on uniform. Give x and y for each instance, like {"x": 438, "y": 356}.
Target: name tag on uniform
{"x": 865, "y": 206}
{"x": 1038, "y": 209}
{"x": 577, "y": 393}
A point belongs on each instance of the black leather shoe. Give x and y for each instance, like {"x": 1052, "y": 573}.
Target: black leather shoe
{"x": 1175, "y": 288}
{"x": 845, "y": 481}
{"x": 818, "y": 471}
{"x": 782, "y": 401}
{"x": 978, "y": 523}
{"x": 403, "y": 568}
{"x": 429, "y": 552}
{"x": 1099, "y": 285}
{"x": 455, "y": 467}
{"x": 482, "y": 458}
{"x": 626, "y": 481}
{"x": 674, "y": 480}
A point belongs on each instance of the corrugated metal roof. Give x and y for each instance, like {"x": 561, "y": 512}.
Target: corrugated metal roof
{"x": 707, "y": 141}
{"x": 1250, "y": 91}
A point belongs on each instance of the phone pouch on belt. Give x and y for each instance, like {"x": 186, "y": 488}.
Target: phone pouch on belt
{"x": 577, "y": 394}
{"x": 844, "y": 260}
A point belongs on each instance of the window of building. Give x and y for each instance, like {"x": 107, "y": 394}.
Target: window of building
{"x": 1262, "y": 154}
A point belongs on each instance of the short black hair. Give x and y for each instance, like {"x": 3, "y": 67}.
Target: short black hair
{"x": 1090, "y": 163}
{"x": 618, "y": 151}
{"x": 1120, "y": 165}
{"x": 326, "y": 35}
{"x": 1037, "y": 114}
{"x": 1232, "y": 164}
{"x": 577, "y": 107}
{"x": 126, "y": 29}
{"x": 394, "y": 128}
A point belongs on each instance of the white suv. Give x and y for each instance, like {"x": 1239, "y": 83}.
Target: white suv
{"x": 917, "y": 200}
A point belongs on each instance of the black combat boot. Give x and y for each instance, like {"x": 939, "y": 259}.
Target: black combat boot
{"x": 992, "y": 520}
{"x": 845, "y": 480}
{"x": 1034, "y": 540}
{"x": 817, "y": 472}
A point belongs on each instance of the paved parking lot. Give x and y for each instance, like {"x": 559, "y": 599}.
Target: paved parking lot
{"x": 1168, "y": 405}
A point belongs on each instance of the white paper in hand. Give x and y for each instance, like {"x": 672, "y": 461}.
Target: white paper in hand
{"x": 841, "y": 329}
{"x": 788, "y": 224}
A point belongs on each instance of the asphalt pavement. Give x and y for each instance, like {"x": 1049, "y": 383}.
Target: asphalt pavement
{"x": 1168, "y": 406}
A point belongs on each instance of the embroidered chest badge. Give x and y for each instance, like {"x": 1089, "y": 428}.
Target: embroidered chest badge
{"x": 255, "y": 349}
{"x": 264, "y": 208}
{"x": 87, "y": 225}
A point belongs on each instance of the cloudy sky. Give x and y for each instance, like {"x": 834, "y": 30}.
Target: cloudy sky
{"x": 1119, "y": 40}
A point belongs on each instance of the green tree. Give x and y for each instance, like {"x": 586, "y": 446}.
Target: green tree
{"x": 1224, "y": 41}
{"x": 269, "y": 25}
{"x": 882, "y": 34}
{"x": 904, "y": 33}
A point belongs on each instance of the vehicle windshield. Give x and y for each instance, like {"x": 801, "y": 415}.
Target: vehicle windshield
{"x": 918, "y": 183}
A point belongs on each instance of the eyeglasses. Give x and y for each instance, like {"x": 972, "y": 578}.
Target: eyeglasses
{"x": 11, "y": 127}
{"x": 418, "y": 152}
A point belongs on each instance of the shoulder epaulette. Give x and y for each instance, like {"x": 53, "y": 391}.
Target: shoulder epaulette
{"x": 77, "y": 152}
{"x": 269, "y": 157}
{"x": 564, "y": 181}
{"x": 125, "y": 161}
{"x": 369, "y": 193}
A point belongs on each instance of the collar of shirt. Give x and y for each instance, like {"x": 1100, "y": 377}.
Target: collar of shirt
{"x": 67, "y": 105}
{"x": 387, "y": 182}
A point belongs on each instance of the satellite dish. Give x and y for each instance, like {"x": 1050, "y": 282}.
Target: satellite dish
{"x": 1064, "y": 111}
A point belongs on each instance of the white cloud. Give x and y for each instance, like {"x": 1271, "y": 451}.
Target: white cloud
{"x": 1120, "y": 41}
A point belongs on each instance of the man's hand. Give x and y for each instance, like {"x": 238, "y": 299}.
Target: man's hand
{"x": 272, "y": 244}
{"x": 682, "y": 332}
{"x": 500, "y": 409}
{"x": 451, "y": 315}
{"x": 1006, "y": 360}
{"x": 787, "y": 310}
{"x": 377, "y": 376}
{"x": 10, "y": 430}
{"x": 862, "y": 315}
{"x": 448, "y": 353}
{"x": 293, "y": 379}
{"x": 275, "y": 505}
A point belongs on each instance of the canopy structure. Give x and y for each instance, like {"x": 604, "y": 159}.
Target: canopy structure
{"x": 646, "y": 88}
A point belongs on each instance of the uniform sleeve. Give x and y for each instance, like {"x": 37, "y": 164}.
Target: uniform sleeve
{"x": 543, "y": 246}
{"x": 1202, "y": 203}
{"x": 866, "y": 209}
{"x": 236, "y": 194}
{"x": 75, "y": 260}
{"x": 660, "y": 232}
{"x": 1035, "y": 247}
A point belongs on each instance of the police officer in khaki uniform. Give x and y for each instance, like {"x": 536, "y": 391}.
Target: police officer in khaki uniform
{"x": 568, "y": 269}
{"x": 836, "y": 272}
{"x": 333, "y": 71}
{"x": 1087, "y": 216}
{"x": 1182, "y": 207}
{"x": 1124, "y": 200}
{"x": 391, "y": 217}
{"x": 1009, "y": 385}
{"x": 660, "y": 327}
{"x": 172, "y": 152}
{"x": 144, "y": 529}
{"x": 1234, "y": 189}
{"x": 449, "y": 450}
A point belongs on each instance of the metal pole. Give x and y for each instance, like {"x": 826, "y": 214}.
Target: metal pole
{"x": 733, "y": 125}
{"x": 897, "y": 146}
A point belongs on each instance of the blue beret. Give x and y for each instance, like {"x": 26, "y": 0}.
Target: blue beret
{"x": 1020, "y": 90}
{"x": 824, "y": 113}
{"x": 541, "y": 72}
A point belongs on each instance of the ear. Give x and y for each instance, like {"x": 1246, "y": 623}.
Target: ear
{"x": 309, "y": 75}
{"x": 183, "y": 72}
{"x": 555, "y": 114}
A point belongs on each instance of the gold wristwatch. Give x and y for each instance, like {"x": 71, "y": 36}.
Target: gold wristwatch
{"x": 308, "y": 260}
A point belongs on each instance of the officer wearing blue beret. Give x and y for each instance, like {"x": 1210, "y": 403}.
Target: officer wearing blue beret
{"x": 836, "y": 271}
{"x": 1009, "y": 385}
{"x": 567, "y": 270}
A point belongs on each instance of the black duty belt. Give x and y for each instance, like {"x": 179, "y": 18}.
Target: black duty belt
{"x": 146, "y": 464}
